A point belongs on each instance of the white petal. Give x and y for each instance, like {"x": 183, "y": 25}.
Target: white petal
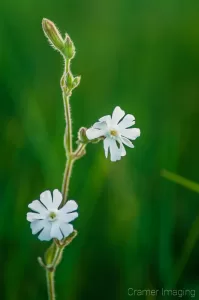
{"x": 70, "y": 206}
{"x": 46, "y": 199}
{"x": 93, "y": 133}
{"x": 127, "y": 142}
{"x": 37, "y": 206}
{"x": 106, "y": 119}
{"x": 131, "y": 133}
{"x": 100, "y": 125}
{"x": 114, "y": 150}
{"x": 128, "y": 121}
{"x": 106, "y": 146}
{"x": 55, "y": 231}
{"x": 57, "y": 198}
{"x": 68, "y": 217}
{"x": 66, "y": 229}
{"x": 34, "y": 216}
{"x": 118, "y": 113}
{"x": 122, "y": 149}
{"x": 36, "y": 226}
{"x": 45, "y": 234}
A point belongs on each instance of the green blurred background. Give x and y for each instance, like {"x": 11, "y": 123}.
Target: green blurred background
{"x": 137, "y": 229}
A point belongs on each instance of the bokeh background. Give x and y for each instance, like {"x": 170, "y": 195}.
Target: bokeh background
{"x": 139, "y": 218}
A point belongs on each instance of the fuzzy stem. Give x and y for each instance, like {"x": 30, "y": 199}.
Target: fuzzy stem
{"x": 50, "y": 284}
{"x": 57, "y": 257}
{"x": 71, "y": 158}
{"x": 79, "y": 150}
{"x": 68, "y": 132}
{"x": 66, "y": 179}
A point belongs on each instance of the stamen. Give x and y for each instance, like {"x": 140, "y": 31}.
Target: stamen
{"x": 52, "y": 215}
{"x": 114, "y": 132}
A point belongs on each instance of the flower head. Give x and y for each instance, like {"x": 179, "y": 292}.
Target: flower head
{"x": 48, "y": 219}
{"x": 116, "y": 133}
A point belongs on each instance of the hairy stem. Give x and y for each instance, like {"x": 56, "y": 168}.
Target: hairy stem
{"x": 66, "y": 179}
{"x": 71, "y": 158}
{"x": 80, "y": 150}
{"x": 50, "y": 284}
{"x": 68, "y": 132}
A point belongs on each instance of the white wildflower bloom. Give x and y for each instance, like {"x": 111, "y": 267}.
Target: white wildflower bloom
{"x": 116, "y": 133}
{"x": 48, "y": 219}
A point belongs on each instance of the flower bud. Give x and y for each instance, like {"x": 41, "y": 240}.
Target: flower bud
{"x": 69, "y": 80}
{"x": 82, "y": 138}
{"x": 76, "y": 81}
{"x": 53, "y": 35}
{"x": 69, "y": 48}
{"x": 49, "y": 254}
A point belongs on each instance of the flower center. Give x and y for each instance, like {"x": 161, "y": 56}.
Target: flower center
{"x": 113, "y": 132}
{"x": 52, "y": 216}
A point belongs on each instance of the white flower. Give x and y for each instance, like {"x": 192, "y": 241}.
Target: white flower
{"x": 49, "y": 219}
{"x": 116, "y": 133}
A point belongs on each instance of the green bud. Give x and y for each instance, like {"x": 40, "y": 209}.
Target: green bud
{"x": 76, "y": 81}
{"x": 82, "y": 138}
{"x": 69, "y": 80}
{"x": 63, "y": 82}
{"x": 53, "y": 35}
{"x": 69, "y": 48}
{"x": 49, "y": 255}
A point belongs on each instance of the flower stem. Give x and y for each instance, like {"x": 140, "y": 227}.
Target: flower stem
{"x": 68, "y": 132}
{"x": 66, "y": 179}
{"x": 71, "y": 158}
{"x": 50, "y": 284}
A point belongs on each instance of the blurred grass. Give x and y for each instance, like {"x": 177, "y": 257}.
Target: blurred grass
{"x": 133, "y": 224}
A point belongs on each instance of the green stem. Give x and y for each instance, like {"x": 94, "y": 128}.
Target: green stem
{"x": 66, "y": 179}
{"x": 57, "y": 257}
{"x": 79, "y": 150}
{"x": 50, "y": 284}
{"x": 71, "y": 157}
{"x": 68, "y": 133}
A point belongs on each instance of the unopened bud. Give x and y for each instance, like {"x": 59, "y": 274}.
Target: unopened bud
{"x": 69, "y": 80}
{"x": 63, "y": 82}
{"x": 82, "y": 138}
{"x": 53, "y": 35}
{"x": 69, "y": 48}
{"x": 76, "y": 81}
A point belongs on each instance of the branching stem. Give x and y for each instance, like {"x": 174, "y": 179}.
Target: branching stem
{"x": 71, "y": 158}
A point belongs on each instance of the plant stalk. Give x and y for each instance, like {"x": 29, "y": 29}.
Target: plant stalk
{"x": 71, "y": 158}
{"x": 50, "y": 283}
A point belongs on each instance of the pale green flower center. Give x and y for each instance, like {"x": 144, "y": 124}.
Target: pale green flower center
{"x": 52, "y": 216}
{"x": 114, "y": 132}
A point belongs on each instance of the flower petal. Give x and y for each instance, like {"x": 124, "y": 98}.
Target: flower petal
{"x": 129, "y": 120}
{"x": 57, "y": 198}
{"x": 131, "y": 133}
{"x": 36, "y": 226}
{"x": 46, "y": 199}
{"x": 38, "y": 207}
{"x": 34, "y": 216}
{"x": 68, "y": 217}
{"x": 55, "y": 231}
{"x": 106, "y": 119}
{"x": 66, "y": 229}
{"x": 70, "y": 206}
{"x": 118, "y": 113}
{"x": 122, "y": 149}
{"x": 93, "y": 133}
{"x": 127, "y": 142}
{"x": 106, "y": 146}
{"x": 100, "y": 125}
{"x": 45, "y": 234}
{"x": 114, "y": 150}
